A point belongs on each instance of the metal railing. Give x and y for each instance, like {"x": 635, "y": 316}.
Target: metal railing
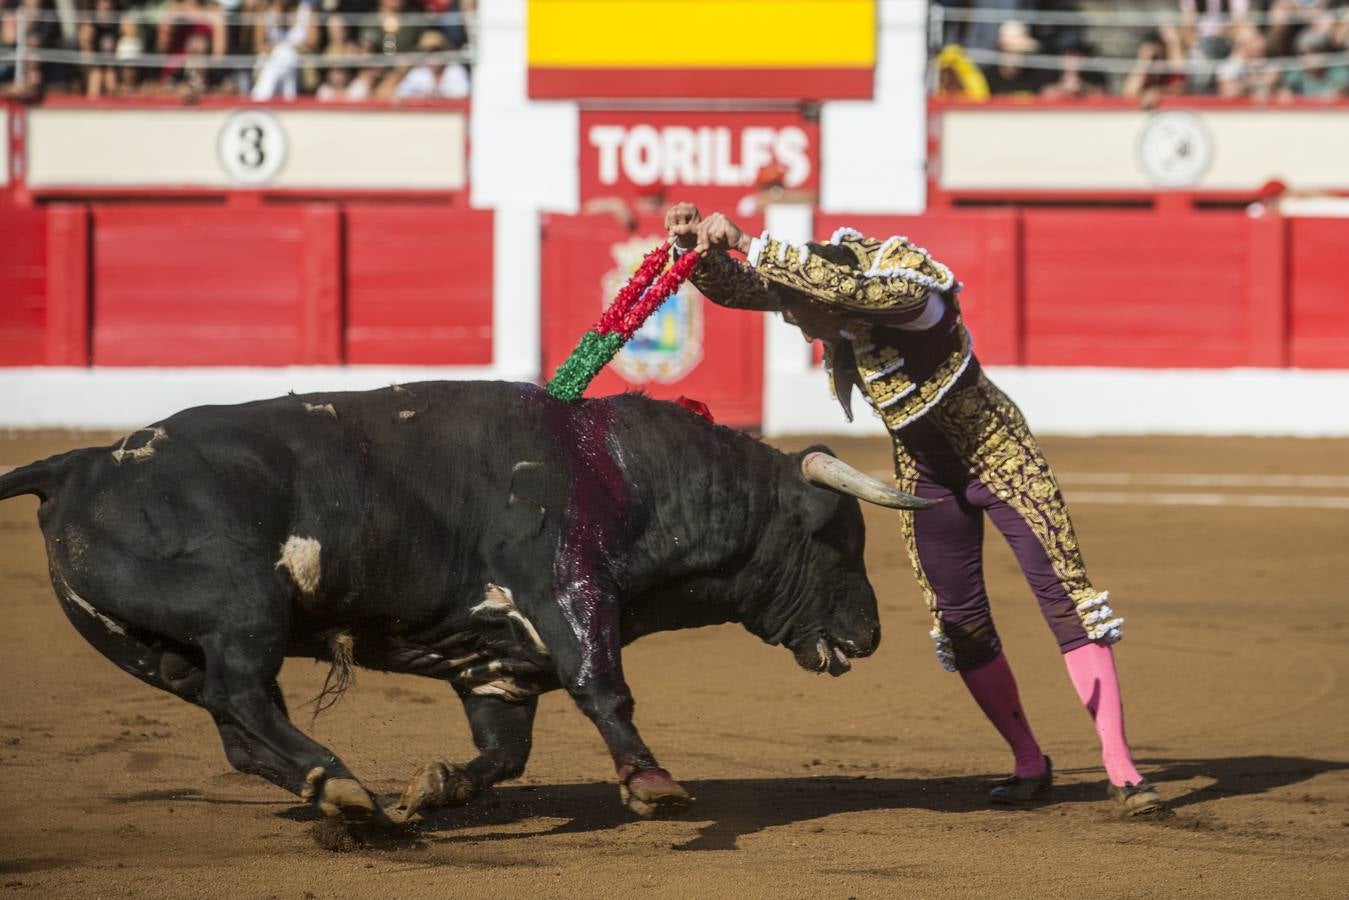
{"x": 22, "y": 56}
{"x": 1134, "y": 20}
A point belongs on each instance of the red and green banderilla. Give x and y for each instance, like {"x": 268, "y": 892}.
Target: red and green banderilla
{"x": 639, "y": 298}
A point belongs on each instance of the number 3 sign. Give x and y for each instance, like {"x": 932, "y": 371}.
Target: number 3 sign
{"x": 252, "y": 147}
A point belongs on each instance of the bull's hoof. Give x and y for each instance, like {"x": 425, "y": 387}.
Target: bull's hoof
{"x": 342, "y": 798}
{"x": 653, "y": 794}
{"x": 437, "y": 785}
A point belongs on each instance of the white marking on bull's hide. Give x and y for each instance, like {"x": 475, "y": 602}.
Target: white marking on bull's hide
{"x": 144, "y": 451}
{"x": 823, "y": 649}
{"x": 501, "y": 600}
{"x": 300, "y": 556}
{"x": 326, "y": 408}
{"x": 505, "y": 688}
{"x": 69, "y": 593}
{"x": 405, "y": 414}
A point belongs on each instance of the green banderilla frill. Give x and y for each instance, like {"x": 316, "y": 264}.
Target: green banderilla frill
{"x": 591, "y": 354}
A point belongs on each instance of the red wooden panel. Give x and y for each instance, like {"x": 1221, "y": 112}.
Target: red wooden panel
{"x": 1145, "y": 289}
{"x": 716, "y": 353}
{"x": 982, "y": 248}
{"x": 23, "y": 286}
{"x": 419, "y": 285}
{"x": 67, "y": 285}
{"x": 1319, "y": 294}
{"x": 184, "y": 285}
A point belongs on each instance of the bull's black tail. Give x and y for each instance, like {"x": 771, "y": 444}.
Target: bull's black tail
{"x": 41, "y": 478}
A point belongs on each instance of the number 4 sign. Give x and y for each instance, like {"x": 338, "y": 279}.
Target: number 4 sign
{"x": 252, "y": 147}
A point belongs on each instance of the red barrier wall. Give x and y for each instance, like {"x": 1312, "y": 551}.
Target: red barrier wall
{"x": 982, "y": 248}
{"x": 23, "y": 287}
{"x": 205, "y": 286}
{"x": 44, "y": 296}
{"x": 1318, "y": 320}
{"x": 1134, "y": 288}
{"x": 419, "y": 285}
{"x": 579, "y": 252}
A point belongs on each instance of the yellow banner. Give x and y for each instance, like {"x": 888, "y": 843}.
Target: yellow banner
{"x": 661, "y": 34}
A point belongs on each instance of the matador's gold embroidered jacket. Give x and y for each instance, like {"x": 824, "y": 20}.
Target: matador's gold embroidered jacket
{"x": 906, "y": 344}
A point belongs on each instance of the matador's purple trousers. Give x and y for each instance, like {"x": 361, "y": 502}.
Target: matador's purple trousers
{"x": 974, "y": 452}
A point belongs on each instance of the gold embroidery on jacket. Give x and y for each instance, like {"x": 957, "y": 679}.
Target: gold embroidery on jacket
{"x": 859, "y": 288}
{"x": 726, "y": 282}
{"x": 892, "y": 391}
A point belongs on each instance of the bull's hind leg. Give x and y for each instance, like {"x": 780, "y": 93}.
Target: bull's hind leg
{"x": 503, "y": 733}
{"x": 172, "y": 667}
{"x": 241, "y": 671}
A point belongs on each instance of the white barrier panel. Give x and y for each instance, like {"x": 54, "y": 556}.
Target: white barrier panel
{"x": 246, "y": 147}
{"x": 1062, "y": 401}
{"x": 1086, "y": 401}
{"x": 1130, "y": 149}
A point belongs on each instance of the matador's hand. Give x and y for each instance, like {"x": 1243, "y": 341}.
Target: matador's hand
{"x": 717, "y": 232}
{"x": 681, "y": 222}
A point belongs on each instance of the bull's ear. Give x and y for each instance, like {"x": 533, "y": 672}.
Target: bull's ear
{"x": 815, "y": 506}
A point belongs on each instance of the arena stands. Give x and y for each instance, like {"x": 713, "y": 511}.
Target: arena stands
{"x": 335, "y": 50}
{"x": 1284, "y": 49}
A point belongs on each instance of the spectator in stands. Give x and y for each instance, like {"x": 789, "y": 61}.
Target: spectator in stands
{"x": 1010, "y": 75}
{"x": 40, "y": 32}
{"x": 1314, "y": 77}
{"x": 1073, "y": 80}
{"x": 1146, "y": 85}
{"x": 1247, "y": 72}
{"x": 1287, "y": 18}
{"x": 958, "y": 77}
{"x": 98, "y": 35}
{"x": 282, "y": 32}
{"x": 336, "y": 80}
{"x": 130, "y": 47}
{"x": 977, "y": 35}
{"x": 337, "y": 45}
{"x": 187, "y": 74}
{"x": 182, "y": 18}
{"x": 1213, "y": 18}
{"x": 393, "y": 35}
{"x": 434, "y": 77}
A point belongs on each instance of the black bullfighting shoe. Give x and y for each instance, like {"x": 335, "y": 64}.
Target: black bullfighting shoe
{"x": 1140, "y": 799}
{"x": 1017, "y": 791}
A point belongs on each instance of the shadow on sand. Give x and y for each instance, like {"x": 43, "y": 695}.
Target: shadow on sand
{"x": 734, "y": 808}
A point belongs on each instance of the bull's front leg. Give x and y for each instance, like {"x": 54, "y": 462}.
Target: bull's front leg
{"x": 582, "y": 633}
{"x": 503, "y": 733}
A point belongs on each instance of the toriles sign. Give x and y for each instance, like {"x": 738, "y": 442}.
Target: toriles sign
{"x": 716, "y": 158}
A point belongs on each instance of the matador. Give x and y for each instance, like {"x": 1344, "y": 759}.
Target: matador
{"x": 888, "y": 316}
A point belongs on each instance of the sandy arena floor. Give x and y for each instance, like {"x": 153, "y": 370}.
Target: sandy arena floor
{"x": 1235, "y": 667}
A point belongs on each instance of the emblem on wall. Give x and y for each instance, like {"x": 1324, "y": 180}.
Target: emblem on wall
{"x": 670, "y": 344}
{"x": 1175, "y": 148}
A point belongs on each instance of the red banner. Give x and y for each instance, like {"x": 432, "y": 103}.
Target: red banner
{"x": 721, "y": 160}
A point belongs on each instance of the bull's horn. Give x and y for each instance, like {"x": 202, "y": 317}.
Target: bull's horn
{"x": 833, "y": 473}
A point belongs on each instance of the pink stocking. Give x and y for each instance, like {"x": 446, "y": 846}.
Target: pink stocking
{"x": 1092, "y": 670}
{"x": 994, "y": 689}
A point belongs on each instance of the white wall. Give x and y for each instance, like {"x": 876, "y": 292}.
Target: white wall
{"x": 873, "y": 153}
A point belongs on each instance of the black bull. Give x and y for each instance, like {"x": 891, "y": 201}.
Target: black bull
{"x": 480, "y": 533}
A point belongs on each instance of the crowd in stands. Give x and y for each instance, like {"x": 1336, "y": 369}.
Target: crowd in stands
{"x": 335, "y": 50}
{"x": 1278, "y": 49}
